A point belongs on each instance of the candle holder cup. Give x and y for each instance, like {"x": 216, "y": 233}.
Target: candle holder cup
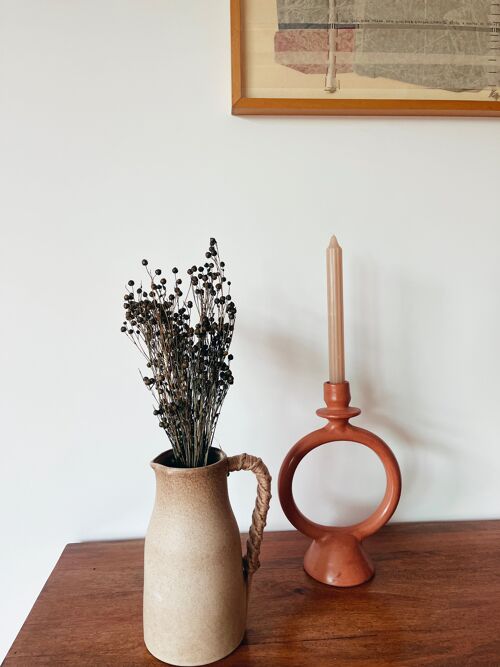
{"x": 336, "y": 555}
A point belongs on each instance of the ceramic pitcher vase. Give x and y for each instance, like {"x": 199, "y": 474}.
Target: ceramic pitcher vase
{"x": 196, "y": 583}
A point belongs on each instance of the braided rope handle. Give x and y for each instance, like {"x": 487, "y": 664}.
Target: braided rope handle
{"x": 247, "y": 462}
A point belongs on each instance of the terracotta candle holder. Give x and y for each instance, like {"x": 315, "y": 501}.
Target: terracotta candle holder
{"x": 336, "y": 555}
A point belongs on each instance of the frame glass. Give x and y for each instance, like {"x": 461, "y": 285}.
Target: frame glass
{"x": 371, "y": 57}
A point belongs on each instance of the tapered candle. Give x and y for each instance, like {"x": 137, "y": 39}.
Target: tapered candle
{"x": 335, "y": 311}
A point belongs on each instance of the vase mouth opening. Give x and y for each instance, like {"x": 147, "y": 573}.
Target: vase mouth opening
{"x": 166, "y": 459}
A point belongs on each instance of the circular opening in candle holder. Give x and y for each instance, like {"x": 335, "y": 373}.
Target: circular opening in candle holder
{"x": 339, "y": 483}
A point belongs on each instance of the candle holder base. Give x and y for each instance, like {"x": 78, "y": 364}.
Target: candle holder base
{"x": 336, "y": 555}
{"x": 338, "y": 561}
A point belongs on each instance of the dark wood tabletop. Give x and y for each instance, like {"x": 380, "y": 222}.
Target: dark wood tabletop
{"x": 435, "y": 600}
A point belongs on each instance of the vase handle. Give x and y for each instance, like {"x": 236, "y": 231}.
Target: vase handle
{"x": 247, "y": 462}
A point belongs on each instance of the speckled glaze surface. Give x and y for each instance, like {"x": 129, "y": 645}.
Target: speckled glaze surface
{"x": 195, "y": 588}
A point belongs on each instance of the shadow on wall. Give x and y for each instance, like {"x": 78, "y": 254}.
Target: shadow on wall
{"x": 347, "y": 483}
{"x": 395, "y": 399}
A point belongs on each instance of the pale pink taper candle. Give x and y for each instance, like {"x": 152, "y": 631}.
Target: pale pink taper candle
{"x": 335, "y": 311}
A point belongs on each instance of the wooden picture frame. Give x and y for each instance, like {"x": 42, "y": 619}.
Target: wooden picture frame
{"x": 243, "y": 104}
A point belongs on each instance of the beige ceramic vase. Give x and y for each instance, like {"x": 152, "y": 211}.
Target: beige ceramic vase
{"x": 196, "y": 583}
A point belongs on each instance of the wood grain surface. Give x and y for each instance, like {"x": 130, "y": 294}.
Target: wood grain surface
{"x": 435, "y": 600}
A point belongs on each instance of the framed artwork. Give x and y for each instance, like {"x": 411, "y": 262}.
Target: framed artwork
{"x": 366, "y": 57}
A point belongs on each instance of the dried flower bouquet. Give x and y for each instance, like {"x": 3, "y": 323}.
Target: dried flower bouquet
{"x": 185, "y": 339}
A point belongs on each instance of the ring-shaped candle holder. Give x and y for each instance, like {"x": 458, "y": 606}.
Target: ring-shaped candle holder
{"x": 336, "y": 555}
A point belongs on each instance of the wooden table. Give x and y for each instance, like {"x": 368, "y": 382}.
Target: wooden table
{"x": 435, "y": 600}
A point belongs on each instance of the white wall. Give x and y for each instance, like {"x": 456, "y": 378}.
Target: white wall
{"x": 116, "y": 142}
